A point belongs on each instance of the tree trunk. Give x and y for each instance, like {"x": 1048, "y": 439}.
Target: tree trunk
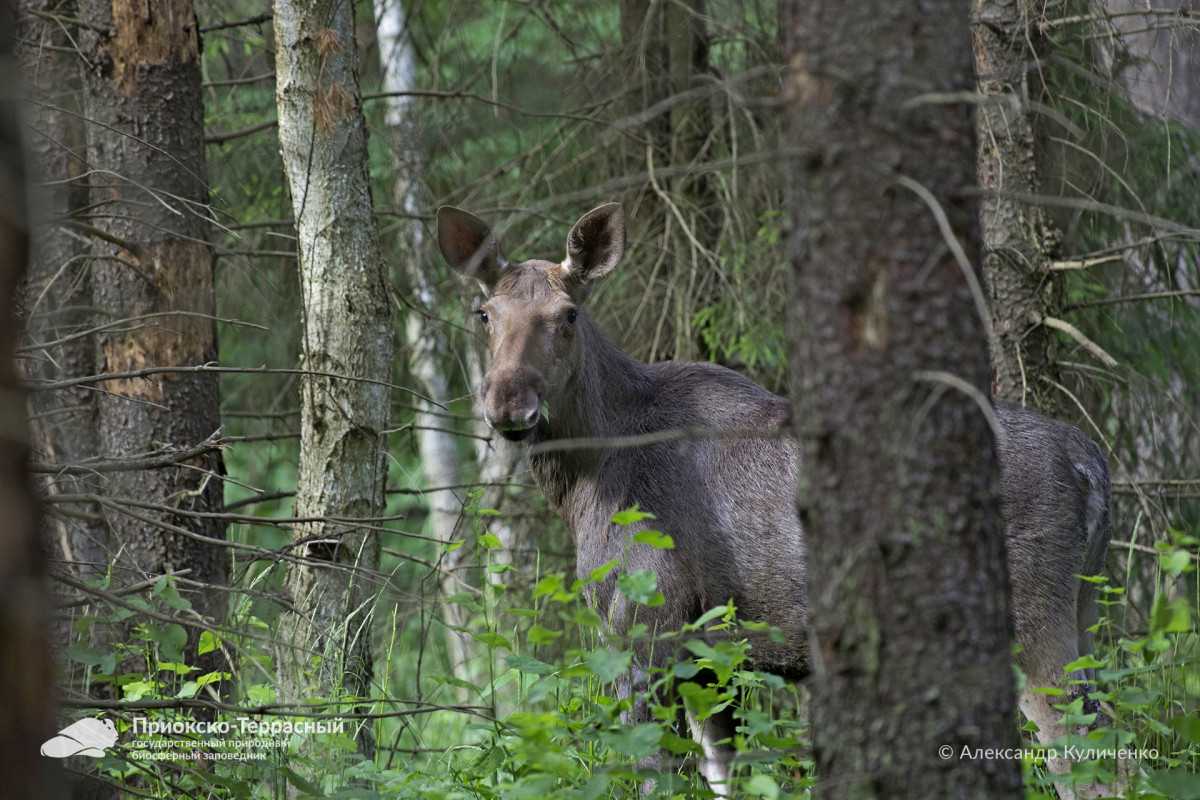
{"x": 26, "y": 671}
{"x": 441, "y": 464}
{"x": 1020, "y": 240}
{"x": 58, "y": 293}
{"x": 909, "y": 626}
{"x": 347, "y": 330}
{"x": 151, "y": 262}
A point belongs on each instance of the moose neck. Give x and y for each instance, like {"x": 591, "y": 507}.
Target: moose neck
{"x": 606, "y": 396}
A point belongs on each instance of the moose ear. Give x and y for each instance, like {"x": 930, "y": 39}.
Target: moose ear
{"x": 468, "y": 245}
{"x": 595, "y": 244}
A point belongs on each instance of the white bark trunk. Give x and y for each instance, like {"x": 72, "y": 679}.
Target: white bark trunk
{"x": 441, "y": 464}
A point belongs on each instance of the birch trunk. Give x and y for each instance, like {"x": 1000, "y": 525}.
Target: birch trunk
{"x": 441, "y": 464}
{"x": 347, "y": 330}
{"x": 907, "y": 577}
{"x": 150, "y": 256}
{"x": 1020, "y": 240}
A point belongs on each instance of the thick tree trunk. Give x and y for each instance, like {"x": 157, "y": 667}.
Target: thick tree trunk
{"x": 909, "y": 626}
{"x": 1020, "y": 240}
{"x": 348, "y": 331}
{"x": 151, "y": 262}
{"x": 58, "y": 293}
{"x": 26, "y": 671}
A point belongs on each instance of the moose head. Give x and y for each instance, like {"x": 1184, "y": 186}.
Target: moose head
{"x": 532, "y": 313}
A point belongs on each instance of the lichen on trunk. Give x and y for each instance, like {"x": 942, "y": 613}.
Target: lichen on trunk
{"x": 347, "y": 330}
{"x": 1020, "y": 239}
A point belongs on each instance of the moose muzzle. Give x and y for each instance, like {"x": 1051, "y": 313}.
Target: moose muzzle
{"x": 512, "y": 401}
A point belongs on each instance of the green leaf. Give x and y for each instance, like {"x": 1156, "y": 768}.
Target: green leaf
{"x": 170, "y": 639}
{"x": 529, "y": 664}
{"x": 601, "y": 572}
{"x": 656, "y": 539}
{"x": 640, "y": 586}
{"x": 679, "y": 745}
{"x": 636, "y": 742}
{"x": 209, "y": 642}
{"x": 631, "y": 515}
{"x": 492, "y": 639}
{"x": 1174, "y": 562}
{"x": 1170, "y": 616}
{"x": 1083, "y": 662}
{"x": 548, "y": 585}
{"x": 709, "y": 616}
{"x": 538, "y": 635}
{"x": 104, "y": 660}
{"x": 211, "y": 677}
{"x": 136, "y": 690}
{"x": 606, "y": 663}
{"x": 762, "y": 785}
{"x": 491, "y": 541}
{"x": 164, "y": 589}
{"x": 175, "y": 666}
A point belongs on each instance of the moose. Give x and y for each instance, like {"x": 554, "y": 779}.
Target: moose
{"x": 729, "y": 501}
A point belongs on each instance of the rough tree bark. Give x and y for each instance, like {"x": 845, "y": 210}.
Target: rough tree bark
{"x": 58, "y": 292}
{"x": 1020, "y": 240}
{"x": 348, "y": 331}
{"x": 909, "y": 626}
{"x": 150, "y": 260}
{"x": 26, "y": 671}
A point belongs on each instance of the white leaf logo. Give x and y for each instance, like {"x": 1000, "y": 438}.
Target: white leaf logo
{"x": 87, "y": 737}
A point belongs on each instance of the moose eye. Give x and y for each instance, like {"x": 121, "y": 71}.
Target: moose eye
{"x": 572, "y": 315}
{"x": 483, "y": 315}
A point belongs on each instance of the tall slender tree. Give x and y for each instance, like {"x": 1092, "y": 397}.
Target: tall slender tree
{"x": 441, "y": 462}
{"x": 152, "y": 271}
{"x": 907, "y": 576}
{"x": 347, "y": 331}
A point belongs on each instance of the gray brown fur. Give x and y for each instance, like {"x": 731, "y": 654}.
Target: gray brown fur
{"x": 729, "y": 502}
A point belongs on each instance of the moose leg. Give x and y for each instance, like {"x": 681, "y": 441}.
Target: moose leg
{"x": 1043, "y": 660}
{"x": 715, "y": 735}
{"x": 634, "y": 685}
